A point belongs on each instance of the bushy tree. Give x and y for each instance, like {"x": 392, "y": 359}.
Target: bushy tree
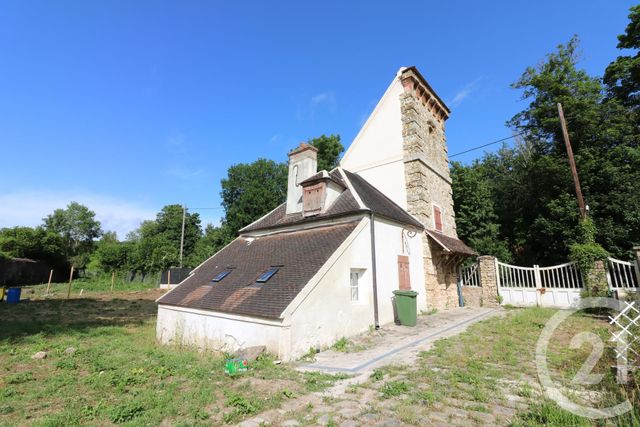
{"x": 33, "y": 243}
{"x": 251, "y": 190}
{"x": 476, "y": 220}
{"x": 78, "y": 227}
{"x": 214, "y": 239}
{"x": 329, "y": 151}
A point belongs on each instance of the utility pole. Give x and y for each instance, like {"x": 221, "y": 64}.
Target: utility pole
{"x": 184, "y": 214}
{"x": 572, "y": 163}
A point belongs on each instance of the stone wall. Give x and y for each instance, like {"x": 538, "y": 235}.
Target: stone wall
{"x": 472, "y": 296}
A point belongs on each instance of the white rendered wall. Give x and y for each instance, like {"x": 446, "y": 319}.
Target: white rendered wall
{"x": 326, "y": 313}
{"x": 209, "y": 330}
{"x": 376, "y": 153}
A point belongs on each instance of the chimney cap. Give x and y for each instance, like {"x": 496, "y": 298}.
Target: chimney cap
{"x": 302, "y": 147}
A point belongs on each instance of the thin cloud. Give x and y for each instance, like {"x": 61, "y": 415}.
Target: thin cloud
{"x": 324, "y": 97}
{"x": 464, "y": 93}
{"x": 27, "y": 208}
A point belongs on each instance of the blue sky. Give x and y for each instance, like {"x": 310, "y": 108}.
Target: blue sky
{"x": 130, "y": 105}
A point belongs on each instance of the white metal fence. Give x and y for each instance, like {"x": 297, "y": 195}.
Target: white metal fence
{"x": 623, "y": 275}
{"x": 555, "y": 286}
{"x": 470, "y": 276}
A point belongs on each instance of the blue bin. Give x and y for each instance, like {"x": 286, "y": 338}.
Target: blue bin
{"x": 13, "y": 295}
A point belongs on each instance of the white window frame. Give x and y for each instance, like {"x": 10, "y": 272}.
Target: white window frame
{"x": 356, "y": 290}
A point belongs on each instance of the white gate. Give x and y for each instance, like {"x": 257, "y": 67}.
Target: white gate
{"x": 623, "y": 275}
{"x": 556, "y": 286}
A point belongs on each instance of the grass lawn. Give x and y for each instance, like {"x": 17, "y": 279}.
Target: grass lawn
{"x": 117, "y": 373}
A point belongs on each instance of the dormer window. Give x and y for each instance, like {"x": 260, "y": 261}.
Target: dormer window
{"x": 312, "y": 198}
{"x": 437, "y": 218}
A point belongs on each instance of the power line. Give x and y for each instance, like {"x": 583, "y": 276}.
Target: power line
{"x": 486, "y": 145}
{"x": 201, "y": 209}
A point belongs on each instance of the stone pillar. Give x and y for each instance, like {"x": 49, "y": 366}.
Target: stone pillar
{"x": 488, "y": 281}
{"x": 598, "y": 279}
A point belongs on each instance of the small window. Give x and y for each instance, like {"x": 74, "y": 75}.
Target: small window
{"x": 221, "y": 275}
{"x": 437, "y": 218}
{"x": 354, "y": 285}
{"x": 267, "y": 275}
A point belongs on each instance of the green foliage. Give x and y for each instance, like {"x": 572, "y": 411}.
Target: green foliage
{"x": 78, "y": 228}
{"x": 329, "y": 150}
{"x": 476, "y": 218}
{"x": 33, "y": 243}
{"x": 214, "y": 239}
{"x": 529, "y": 187}
{"x": 622, "y": 76}
{"x": 251, "y": 190}
{"x": 394, "y": 388}
{"x": 341, "y": 345}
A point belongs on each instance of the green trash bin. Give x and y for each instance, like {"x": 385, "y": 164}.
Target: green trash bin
{"x": 406, "y": 304}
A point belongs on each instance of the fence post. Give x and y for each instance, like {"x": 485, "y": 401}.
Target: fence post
{"x": 636, "y": 249}
{"x": 538, "y": 282}
{"x": 489, "y": 280}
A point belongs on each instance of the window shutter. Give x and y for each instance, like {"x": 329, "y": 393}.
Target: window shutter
{"x": 312, "y": 199}
{"x": 404, "y": 279}
{"x": 437, "y": 216}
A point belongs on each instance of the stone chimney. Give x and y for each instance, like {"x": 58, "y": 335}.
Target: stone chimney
{"x": 303, "y": 163}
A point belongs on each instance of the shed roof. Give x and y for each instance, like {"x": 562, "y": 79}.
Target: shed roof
{"x": 297, "y": 255}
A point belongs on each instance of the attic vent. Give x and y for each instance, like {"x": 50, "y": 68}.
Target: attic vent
{"x": 312, "y": 199}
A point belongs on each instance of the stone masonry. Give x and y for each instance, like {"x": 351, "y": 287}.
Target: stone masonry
{"x": 428, "y": 181}
{"x": 488, "y": 281}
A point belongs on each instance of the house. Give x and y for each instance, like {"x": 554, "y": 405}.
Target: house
{"x": 325, "y": 263}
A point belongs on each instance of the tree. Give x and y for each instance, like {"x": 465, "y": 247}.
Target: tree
{"x": 78, "y": 227}
{"x": 476, "y": 219}
{"x": 329, "y": 150}
{"x": 214, "y": 239}
{"x": 155, "y": 245}
{"x": 622, "y": 76}
{"x": 114, "y": 256}
{"x": 33, "y": 243}
{"x": 251, "y": 190}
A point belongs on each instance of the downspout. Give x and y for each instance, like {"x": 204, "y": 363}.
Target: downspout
{"x": 373, "y": 272}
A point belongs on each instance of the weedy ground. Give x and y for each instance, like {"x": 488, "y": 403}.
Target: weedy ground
{"x": 117, "y": 373}
{"x": 483, "y": 376}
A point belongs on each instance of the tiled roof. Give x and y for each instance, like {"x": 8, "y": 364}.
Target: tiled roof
{"x": 378, "y": 203}
{"x": 451, "y": 244}
{"x": 298, "y": 255}
{"x": 324, "y": 175}
{"x": 373, "y": 199}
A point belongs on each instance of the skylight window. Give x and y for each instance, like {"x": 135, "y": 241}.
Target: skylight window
{"x": 221, "y": 275}
{"x": 264, "y": 277}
